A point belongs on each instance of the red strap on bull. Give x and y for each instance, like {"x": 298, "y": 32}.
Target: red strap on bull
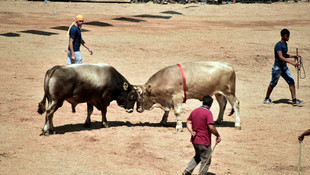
{"x": 184, "y": 82}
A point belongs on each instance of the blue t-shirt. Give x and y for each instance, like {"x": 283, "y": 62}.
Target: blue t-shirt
{"x": 280, "y": 46}
{"x": 75, "y": 34}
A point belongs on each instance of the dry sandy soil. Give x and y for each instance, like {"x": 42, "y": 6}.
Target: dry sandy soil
{"x": 144, "y": 39}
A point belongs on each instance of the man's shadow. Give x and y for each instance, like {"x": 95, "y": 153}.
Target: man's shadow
{"x": 285, "y": 101}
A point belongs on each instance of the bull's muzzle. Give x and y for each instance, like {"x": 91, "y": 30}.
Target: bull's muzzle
{"x": 140, "y": 109}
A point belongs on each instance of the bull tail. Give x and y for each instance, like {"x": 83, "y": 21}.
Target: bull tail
{"x": 231, "y": 112}
{"x": 48, "y": 74}
{"x": 41, "y": 106}
{"x": 233, "y": 90}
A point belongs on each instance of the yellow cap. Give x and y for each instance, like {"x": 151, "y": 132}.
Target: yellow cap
{"x": 79, "y": 18}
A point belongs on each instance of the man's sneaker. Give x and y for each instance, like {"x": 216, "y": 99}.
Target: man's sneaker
{"x": 297, "y": 101}
{"x": 268, "y": 101}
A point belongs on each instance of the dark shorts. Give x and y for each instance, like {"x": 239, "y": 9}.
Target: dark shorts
{"x": 285, "y": 73}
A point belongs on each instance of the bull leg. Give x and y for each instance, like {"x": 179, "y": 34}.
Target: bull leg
{"x": 177, "y": 112}
{"x": 177, "y": 101}
{"x": 235, "y": 104}
{"x": 90, "y": 109}
{"x": 48, "y": 128}
{"x": 222, "y": 101}
{"x": 73, "y": 108}
{"x": 165, "y": 117}
{"x": 104, "y": 118}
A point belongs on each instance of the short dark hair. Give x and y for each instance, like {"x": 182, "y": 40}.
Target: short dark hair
{"x": 285, "y": 32}
{"x": 207, "y": 100}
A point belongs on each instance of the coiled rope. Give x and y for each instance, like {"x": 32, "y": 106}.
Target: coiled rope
{"x": 300, "y": 68}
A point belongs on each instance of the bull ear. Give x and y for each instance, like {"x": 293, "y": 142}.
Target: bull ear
{"x": 149, "y": 89}
{"x": 125, "y": 86}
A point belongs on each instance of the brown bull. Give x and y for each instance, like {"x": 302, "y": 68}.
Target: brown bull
{"x": 95, "y": 84}
{"x": 170, "y": 87}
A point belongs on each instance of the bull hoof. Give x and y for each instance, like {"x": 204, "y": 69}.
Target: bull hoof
{"x": 163, "y": 123}
{"x": 179, "y": 128}
{"x": 104, "y": 125}
{"x": 238, "y": 127}
{"x": 47, "y": 133}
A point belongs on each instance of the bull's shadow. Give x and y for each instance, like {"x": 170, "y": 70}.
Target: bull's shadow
{"x": 76, "y": 127}
{"x": 97, "y": 125}
{"x": 225, "y": 124}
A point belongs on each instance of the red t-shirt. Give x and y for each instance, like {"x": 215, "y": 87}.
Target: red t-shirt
{"x": 201, "y": 118}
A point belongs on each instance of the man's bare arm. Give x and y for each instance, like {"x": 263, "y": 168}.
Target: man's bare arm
{"x": 213, "y": 130}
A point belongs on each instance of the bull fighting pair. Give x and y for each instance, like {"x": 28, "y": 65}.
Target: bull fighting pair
{"x": 99, "y": 84}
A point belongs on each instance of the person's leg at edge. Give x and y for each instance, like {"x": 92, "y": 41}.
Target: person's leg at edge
{"x": 293, "y": 91}
{"x": 205, "y": 153}
{"x": 275, "y": 75}
{"x": 78, "y": 57}
{"x": 69, "y": 61}
{"x": 290, "y": 81}
{"x": 268, "y": 93}
{"x": 194, "y": 162}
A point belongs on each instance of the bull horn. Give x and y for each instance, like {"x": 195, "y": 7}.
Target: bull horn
{"x": 138, "y": 89}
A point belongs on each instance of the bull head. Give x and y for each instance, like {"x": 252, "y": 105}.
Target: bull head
{"x": 144, "y": 100}
{"x": 127, "y": 98}
{"x": 139, "y": 91}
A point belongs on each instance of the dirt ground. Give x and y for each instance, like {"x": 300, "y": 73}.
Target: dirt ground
{"x": 138, "y": 40}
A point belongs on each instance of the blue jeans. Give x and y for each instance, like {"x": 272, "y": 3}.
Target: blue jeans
{"x": 78, "y": 58}
{"x": 284, "y": 72}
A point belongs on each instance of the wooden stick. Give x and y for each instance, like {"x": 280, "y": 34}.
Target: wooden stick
{"x": 299, "y": 157}
{"x": 207, "y": 159}
{"x": 298, "y": 61}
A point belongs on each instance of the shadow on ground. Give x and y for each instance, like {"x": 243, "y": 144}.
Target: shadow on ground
{"x": 285, "y": 101}
{"x": 153, "y": 16}
{"x": 97, "y": 125}
{"x": 225, "y": 124}
{"x": 208, "y": 173}
{"x": 10, "y": 34}
{"x": 65, "y": 28}
{"x": 39, "y": 32}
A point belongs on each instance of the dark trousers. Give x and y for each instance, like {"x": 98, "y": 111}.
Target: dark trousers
{"x": 201, "y": 155}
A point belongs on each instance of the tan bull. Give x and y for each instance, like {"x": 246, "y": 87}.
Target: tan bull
{"x": 170, "y": 87}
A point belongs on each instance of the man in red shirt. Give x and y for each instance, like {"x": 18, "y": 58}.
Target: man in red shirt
{"x": 200, "y": 124}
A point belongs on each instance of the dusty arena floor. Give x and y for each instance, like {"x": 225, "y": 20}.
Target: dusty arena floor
{"x": 138, "y": 40}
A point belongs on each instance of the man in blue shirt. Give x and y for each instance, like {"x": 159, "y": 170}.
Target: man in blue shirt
{"x": 75, "y": 41}
{"x": 280, "y": 68}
